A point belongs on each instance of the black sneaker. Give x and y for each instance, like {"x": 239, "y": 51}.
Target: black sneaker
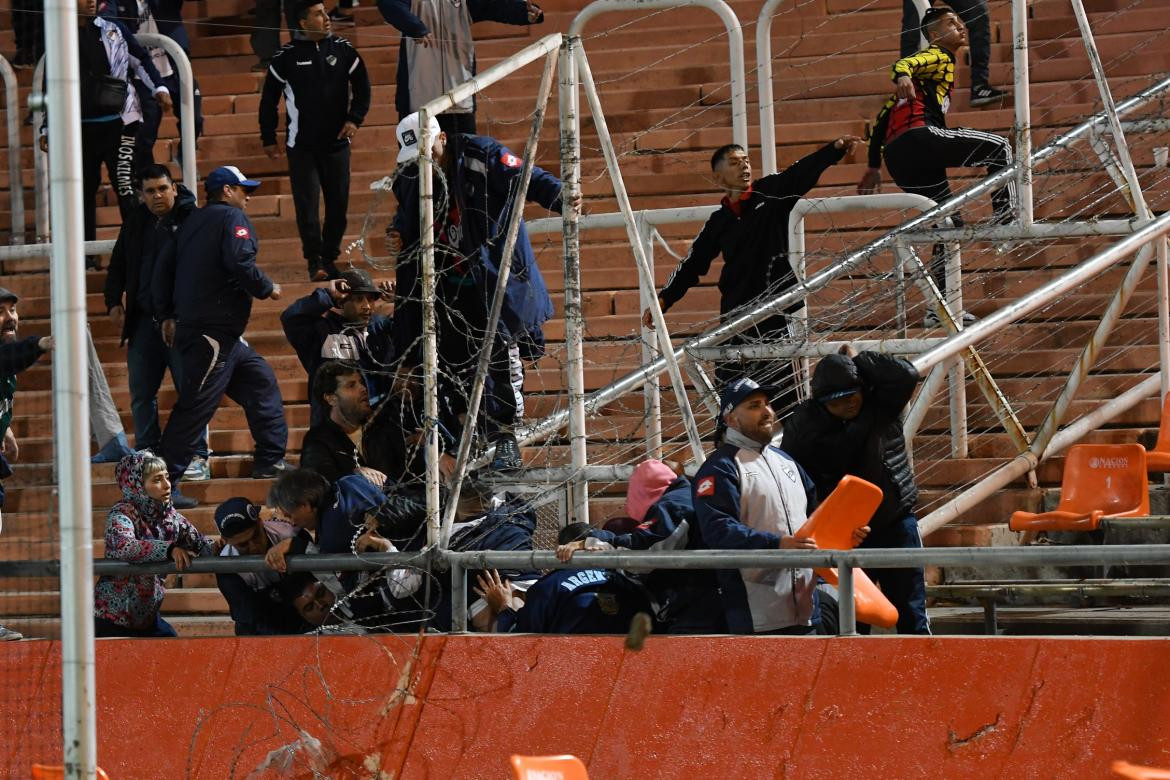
{"x": 317, "y": 273}
{"x": 507, "y": 457}
{"x": 271, "y": 472}
{"x": 337, "y": 16}
{"x": 260, "y": 66}
{"x": 983, "y": 95}
{"x": 331, "y": 270}
{"x": 181, "y": 501}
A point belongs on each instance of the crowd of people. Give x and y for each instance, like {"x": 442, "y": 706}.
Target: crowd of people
{"x": 182, "y": 280}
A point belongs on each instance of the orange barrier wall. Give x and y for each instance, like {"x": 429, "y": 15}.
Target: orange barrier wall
{"x": 682, "y": 707}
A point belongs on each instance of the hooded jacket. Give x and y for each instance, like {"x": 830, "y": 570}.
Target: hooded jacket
{"x": 140, "y": 529}
{"x": 140, "y": 241}
{"x": 871, "y": 445}
{"x": 484, "y": 175}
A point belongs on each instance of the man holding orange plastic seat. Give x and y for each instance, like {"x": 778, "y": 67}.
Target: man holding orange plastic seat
{"x": 751, "y": 495}
{"x": 853, "y": 425}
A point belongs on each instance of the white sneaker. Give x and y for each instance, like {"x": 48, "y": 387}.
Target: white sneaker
{"x": 931, "y": 319}
{"x": 198, "y": 470}
{"x": 8, "y": 635}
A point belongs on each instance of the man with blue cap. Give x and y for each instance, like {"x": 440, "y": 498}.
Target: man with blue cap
{"x": 203, "y": 288}
{"x": 751, "y": 495}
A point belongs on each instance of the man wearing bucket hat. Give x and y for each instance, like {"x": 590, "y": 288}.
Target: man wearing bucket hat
{"x": 470, "y": 230}
{"x": 751, "y": 495}
{"x": 203, "y": 286}
{"x": 853, "y": 425}
{"x": 254, "y": 598}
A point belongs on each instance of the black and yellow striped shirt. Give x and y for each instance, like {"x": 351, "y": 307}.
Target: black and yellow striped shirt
{"x": 933, "y": 72}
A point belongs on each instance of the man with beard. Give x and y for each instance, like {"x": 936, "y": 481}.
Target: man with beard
{"x": 333, "y": 447}
{"x": 337, "y": 322}
{"x": 15, "y": 356}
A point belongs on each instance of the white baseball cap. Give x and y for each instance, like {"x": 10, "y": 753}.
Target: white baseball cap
{"x": 408, "y": 136}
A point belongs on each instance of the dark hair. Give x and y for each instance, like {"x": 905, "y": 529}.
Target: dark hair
{"x": 722, "y": 153}
{"x": 292, "y": 586}
{"x": 156, "y": 171}
{"x": 216, "y": 196}
{"x": 326, "y": 378}
{"x": 573, "y": 532}
{"x": 931, "y": 17}
{"x": 293, "y": 488}
{"x": 302, "y": 8}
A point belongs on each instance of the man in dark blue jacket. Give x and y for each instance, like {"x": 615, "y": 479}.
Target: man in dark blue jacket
{"x": 203, "y": 293}
{"x": 326, "y": 96}
{"x": 477, "y": 184}
{"x": 130, "y": 304}
{"x": 337, "y": 322}
{"x": 437, "y": 51}
{"x": 565, "y": 601}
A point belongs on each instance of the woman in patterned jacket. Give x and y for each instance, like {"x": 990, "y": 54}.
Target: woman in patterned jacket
{"x": 143, "y": 527}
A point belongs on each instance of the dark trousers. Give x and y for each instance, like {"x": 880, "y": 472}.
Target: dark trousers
{"x": 462, "y": 319}
{"x": 112, "y": 144}
{"x": 147, "y": 359}
{"x": 975, "y": 17}
{"x": 313, "y": 174}
{"x": 29, "y": 28}
{"x": 152, "y": 116}
{"x": 266, "y": 33}
{"x": 780, "y": 373}
{"x": 108, "y": 628}
{"x": 918, "y": 161}
{"x": 905, "y": 588}
{"x": 211, "y": 366}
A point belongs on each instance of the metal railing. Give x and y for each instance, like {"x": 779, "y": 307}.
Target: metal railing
{"x": 12, "y": 128}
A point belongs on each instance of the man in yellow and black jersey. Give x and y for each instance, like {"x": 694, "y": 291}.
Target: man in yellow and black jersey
{"x": 912, "y": 134}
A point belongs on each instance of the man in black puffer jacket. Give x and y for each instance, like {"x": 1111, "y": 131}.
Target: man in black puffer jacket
{"x": 853, "y": 425}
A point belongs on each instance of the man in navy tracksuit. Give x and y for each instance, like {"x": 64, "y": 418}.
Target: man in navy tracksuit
{"x": 203, "y": 293}
{"x": 751, "y": 495}
{"x": 566, "y": 601}
{"x": 338, "y": 323}
{"x": 853, "y": 425}
{"x": 326, "y": 96}
{"x": 478, "y": 181}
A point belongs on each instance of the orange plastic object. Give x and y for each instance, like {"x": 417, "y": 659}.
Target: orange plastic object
{"x": 45, "y": 772}
{"x": 1158, "y": 459}
{"x": 1126, "y": 769}
{"x": 849, "y": 507}
{"x": 548, "y": 768}
{"x": 1100, "y": 480}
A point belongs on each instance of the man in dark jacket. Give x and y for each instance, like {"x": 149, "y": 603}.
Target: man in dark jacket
{"x": 750, "y": 230}
{"x": 338, "y": 323}
{"x": 478, "y": 182}
{"x": 437, "y": 51}
{"x": 254, "y": 598}
{"x": 203, "y": 293}
{"x": 316, "y": 74}
{"x": 853, "y": 425}
{"x": 334, "y": 447}
{"x": 15, "y": 356}
{"x": 130, "y": 303}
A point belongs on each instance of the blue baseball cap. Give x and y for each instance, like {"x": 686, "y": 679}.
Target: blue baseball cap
{"x": 228, "y": 174}
{"x": 735, "y": 392}
{"x": 236, "y": 515}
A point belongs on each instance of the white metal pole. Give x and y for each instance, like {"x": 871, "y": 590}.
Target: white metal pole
{"x": 764, "y": 86}
{"x": 187, "y": 102}
{"x": 71, "y": 391}
{"x": 651, "y": 392}
{"x": 647, "y": 272}
{"x": 40, "y": 163}
{"x": 578, "y": 500}
{"x": 1164, "y": 316}
{"x": 15, "y": 180}
{"x": 426, "y": 197}
{"x": 1023, "y": 103}
{"x": 515, "y": 217}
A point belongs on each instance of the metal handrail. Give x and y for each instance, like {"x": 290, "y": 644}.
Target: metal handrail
{"x": 12, "y": 114}
{"x": 725, "y": 13}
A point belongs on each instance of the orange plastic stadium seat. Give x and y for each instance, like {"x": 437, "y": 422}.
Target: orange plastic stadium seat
{"x": 1100, "y": 480}
{"x": 1158, "y": 459}
{"x": 1126, "y": 769}
{"x": 849, "y": 507}
{"x": 46, "y": 772}
{"x": 548, "y": 768}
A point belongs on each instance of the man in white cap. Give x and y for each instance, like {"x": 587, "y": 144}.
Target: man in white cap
{"x": 203, "y": 290}
{"x": 471, "y": 220}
